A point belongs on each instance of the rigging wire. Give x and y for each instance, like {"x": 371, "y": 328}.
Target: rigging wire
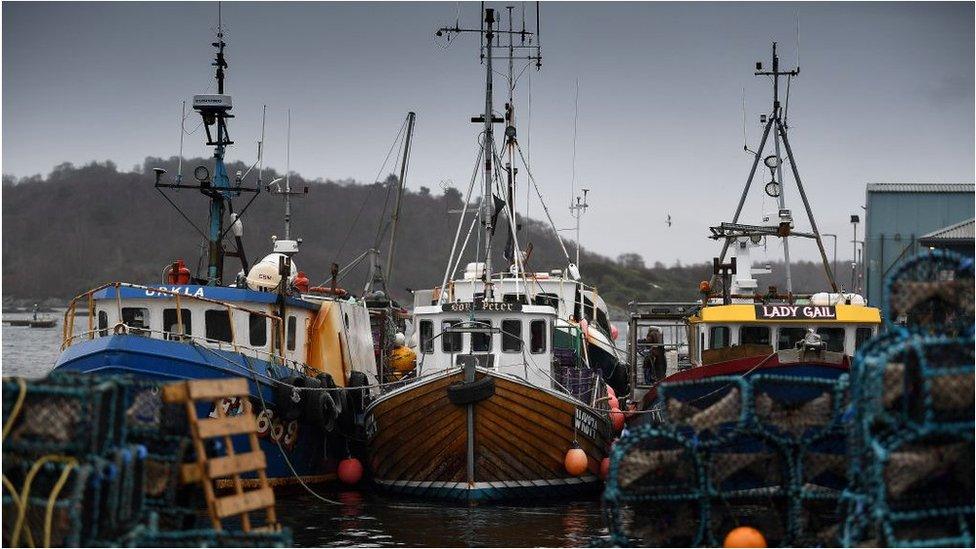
{"x": 369, "y": 194}
{"x": 545, "y": 208}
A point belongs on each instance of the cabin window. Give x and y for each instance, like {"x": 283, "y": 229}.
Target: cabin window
{"x": 754, "y": 335}
{"x": 102, "y": 323}
{"x": 719, "y": 336}
{"x": 451, "y": 342}
{"x": 788, "y": 337}
{"x": 511, "y": 336}
{"x": 481, "y": 342}
{"x": 861, "y": 336}
{"x": 136, "y": 318}
{"x": 218, "y": 325}
{"x": 549, "y": 299}
{"x": 537, "y": 336}
{"x": 426, "y": 336}
{"x": 292, "y": 333}
{"x": 833, "y": 337}
{"x": 257, "y": 328}
{"x": 171, "y": 324}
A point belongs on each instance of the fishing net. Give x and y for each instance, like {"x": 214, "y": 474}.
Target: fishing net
{"x": 69, "y": 522}
{"x": 931, "y": 294}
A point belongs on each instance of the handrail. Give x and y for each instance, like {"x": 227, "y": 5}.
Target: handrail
{"x": 277, "y": 325}
{"x": 203, "y": 341}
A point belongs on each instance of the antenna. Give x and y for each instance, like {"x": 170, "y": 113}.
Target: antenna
{"x": 264, "y": 116}
{"x": 179, "y": 169}
{"x": 577, "y": 210}
{"x": 286, "y": 245}
{"x": 572, "y": 188}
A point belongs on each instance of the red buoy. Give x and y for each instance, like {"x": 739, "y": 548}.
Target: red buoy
{"x": 350, "y": 471}
{"x": 617, "y": 417}
{"x": 605, "y": 468}
{"x": 576, "y": 461}
{"x": 744, "y": 536}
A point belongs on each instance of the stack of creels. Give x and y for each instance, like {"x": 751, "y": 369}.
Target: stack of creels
{"x": 911, "y": 421}
{"x": 95, "y": 461}
{"x": 767, "y": 451}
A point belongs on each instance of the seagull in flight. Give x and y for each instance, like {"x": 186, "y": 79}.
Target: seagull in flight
{"x": 668, "y": 220}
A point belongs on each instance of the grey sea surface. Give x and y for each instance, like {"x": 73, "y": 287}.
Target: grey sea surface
{"x": 367, "y": 517}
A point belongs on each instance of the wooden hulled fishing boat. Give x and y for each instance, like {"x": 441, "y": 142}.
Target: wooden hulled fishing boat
{"x": 303, "y": 349}
{"x": 506, "y": 397}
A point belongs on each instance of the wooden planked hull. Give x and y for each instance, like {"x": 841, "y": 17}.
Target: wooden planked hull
{"x": 419, "y": 441}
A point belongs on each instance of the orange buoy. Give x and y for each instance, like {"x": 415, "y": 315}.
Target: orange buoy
{"x": 617, "y": 417}
{"x": 576, "y": 461}
{"x": 604, "y": 468}
{"x": 350, "y": 471}
{"x": 744, "y": 536}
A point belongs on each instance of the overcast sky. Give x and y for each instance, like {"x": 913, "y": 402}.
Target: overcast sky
{"x": 885, "y": 94}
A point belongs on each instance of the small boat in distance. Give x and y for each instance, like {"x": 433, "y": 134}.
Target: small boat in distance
{"x": 509, "y": 393}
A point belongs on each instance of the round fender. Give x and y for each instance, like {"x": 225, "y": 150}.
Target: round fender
{"x": 326, "y": 411}
{"x": 357, "y": 398}
{"x": 469, "y": 393}
{"x": 288, "y": 397}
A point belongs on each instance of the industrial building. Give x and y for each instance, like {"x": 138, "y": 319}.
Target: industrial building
{"x": 903, "y": 218}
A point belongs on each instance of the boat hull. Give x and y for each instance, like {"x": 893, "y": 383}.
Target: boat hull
{"x": 295, "y": 448}
{"x": 519, "y": 435}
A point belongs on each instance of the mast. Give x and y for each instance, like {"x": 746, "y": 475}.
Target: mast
{"x": 489, "y": 40}
{"x": 411, "y": 116}
{"x": 488, "y": 203}
{"x": 774, "y": 123}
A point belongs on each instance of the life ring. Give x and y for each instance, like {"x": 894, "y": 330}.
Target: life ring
{"x": 328, "y": 290}
{"x": 469, "y": 393}
{"x": 121, "y": 329}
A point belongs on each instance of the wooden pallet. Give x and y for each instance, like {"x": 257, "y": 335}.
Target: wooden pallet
{"x": 207, "y": 470}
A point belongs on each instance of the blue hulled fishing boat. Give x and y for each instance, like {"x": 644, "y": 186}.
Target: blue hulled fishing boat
{"x": 304, "y": 349}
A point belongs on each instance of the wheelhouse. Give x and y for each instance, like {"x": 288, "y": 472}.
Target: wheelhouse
{"x": 508, "y": 338}
{"x": 842, "y": 328}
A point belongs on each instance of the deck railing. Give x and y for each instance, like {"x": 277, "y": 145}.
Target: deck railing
{"x": 70, "y": 337}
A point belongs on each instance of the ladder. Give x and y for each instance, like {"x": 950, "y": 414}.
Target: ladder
{"x": 206, "y": 470}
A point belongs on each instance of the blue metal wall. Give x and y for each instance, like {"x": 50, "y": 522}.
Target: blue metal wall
{"x": 895, "y": 221}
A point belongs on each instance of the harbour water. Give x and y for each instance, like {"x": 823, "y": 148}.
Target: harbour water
{"x": 365, "y": 517}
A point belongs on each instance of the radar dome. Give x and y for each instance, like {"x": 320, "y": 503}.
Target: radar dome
{"x": 264, "y": 277}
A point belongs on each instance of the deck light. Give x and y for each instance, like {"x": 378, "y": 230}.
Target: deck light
{"x": 772, "y": 161}
{"x": 201, "y": 173}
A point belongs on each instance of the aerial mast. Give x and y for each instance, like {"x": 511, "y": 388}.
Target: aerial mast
{"x": 488, "y": 36}
{"x": 775, "y": 123}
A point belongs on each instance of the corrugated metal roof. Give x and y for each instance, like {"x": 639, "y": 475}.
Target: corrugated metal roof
{"x": 960, "y": 231}
{"x": 921, "y": 187}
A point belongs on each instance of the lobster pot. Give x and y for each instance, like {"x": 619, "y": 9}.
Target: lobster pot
{"x": 931, "y": 294}
{"x": 708, "y": 408}
{"x": 578, "y": 381}
{"x": 654, "y": 491}
{"x": 71, "y": 513}
{"x": 823, "y": 466}
{"x": 56, "y": 416}
{"x": 927, "y": 473}
{"x": 929, "y": 380}
{"x": 946, "y": 527}
{"x": 110, "y": 485}
{"x": 165, "y": 455}
{"x": 794, "y": 409}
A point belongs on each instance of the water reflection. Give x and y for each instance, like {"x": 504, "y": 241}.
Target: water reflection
{"x": 378, "y": 519}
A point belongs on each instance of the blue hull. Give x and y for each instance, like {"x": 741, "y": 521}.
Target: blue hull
{"x": 168, "y": 361}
